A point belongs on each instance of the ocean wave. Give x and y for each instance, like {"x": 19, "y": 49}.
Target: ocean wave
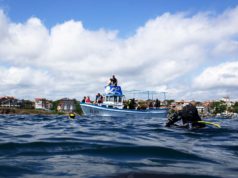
{"x": 37, "y": 145}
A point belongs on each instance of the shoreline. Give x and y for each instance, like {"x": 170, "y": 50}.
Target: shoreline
{"x": 28, "y": 111}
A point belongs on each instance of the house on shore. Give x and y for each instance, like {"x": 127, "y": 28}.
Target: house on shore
{"x": 43, "y": 103}
{"x": 40, "y": 103}
{"x": 10, "y": 102}
{"x": 66, "y": 105}
{"x": 27, "y": 104}
{"x": 227, "y": 101}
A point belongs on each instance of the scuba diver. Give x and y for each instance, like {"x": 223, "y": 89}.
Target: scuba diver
{"x": 189, "y": 116}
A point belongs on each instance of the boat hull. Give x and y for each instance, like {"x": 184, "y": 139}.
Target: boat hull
{"x": 94, "y": 110}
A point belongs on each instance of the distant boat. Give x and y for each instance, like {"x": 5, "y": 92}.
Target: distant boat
{"x": 113, "y": 106}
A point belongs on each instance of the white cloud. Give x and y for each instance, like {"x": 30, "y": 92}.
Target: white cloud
{"x": 25, "y": 81}
{"x": 23, "y": 43}
{"x": 222, "y": 76}
{"x": 23, "y": 76}
{"x": 79, "y": 61}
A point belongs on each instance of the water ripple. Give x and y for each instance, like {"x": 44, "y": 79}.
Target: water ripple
{"x": 52, "y": 146}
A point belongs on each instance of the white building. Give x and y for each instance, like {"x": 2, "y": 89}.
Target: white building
{"x": 40, "y": 103}
{"x": 227, "y": 100}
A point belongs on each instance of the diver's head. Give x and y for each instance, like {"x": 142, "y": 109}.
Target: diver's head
{"x": 173, "y": 106}
{"x": 193, "y": 103}
{"x": 179, "y": 108}
{"x": 176, "y": 107}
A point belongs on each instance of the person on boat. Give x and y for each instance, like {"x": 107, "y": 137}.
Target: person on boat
{"x": 138, "y": 107}
{"x": 87, "y": 100}
{"x": 157, "y": 104}
{"x": 83, "y": 100}
{"x": 113, "y": 81}
{"x": 150, "y": 105}
{"x": 188, "y": 114}
{"x": 131, "y": 104}
{"x": 99, "y": 98}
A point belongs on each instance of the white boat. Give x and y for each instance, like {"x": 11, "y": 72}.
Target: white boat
{"x": 113, "y": 106}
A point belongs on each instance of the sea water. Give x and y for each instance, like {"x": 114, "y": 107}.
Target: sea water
{"x": 101, "y": 147}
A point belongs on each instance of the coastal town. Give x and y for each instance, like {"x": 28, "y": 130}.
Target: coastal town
{"x": 224, "y": 107}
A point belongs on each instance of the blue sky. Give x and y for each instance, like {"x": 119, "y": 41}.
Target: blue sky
{"x": 122, "y": 15}
{"x": 69, "y": 48}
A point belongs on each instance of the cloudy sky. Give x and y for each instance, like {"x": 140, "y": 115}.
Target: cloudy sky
{"x": 71, "y": 48}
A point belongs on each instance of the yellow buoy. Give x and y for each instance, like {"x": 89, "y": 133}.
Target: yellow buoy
{"x": 72, "y": 115}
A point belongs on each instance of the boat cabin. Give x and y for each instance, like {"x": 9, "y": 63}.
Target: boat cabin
{"x": 113, "y": 97}
{"x": 113, "y": 101}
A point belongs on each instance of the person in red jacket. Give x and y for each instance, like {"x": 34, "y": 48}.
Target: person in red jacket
{"x": 87, "y": 100}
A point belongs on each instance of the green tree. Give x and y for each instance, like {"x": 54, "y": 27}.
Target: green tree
{"x": 55, "y": 105}
{"x": 218, "y": 107}
{"x": 78, "y": 108}
{"x": 27, "y": 104}
{"x": 235, "y": 107}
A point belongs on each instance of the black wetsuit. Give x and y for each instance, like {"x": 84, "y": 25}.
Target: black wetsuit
{"x": 157, "y": 103}
{"x": 131, "y": 104}
{"x": 188, "y": 115}
{"x": 114, "y": 81}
